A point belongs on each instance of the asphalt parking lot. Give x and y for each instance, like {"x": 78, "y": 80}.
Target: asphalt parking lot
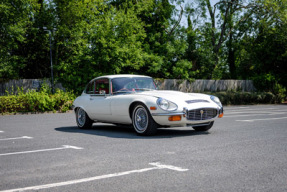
{"x": 246, "y": 150}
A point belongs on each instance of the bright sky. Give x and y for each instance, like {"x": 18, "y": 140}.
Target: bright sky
{"x": 184, "y": 19}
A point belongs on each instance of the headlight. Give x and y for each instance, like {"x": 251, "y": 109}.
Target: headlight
{"x": 216, "y": 100}
{"x": 166, "y": 105}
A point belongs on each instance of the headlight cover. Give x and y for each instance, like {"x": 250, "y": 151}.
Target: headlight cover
{"x": 166, "y": 105}
{"x": 216, "y": 100}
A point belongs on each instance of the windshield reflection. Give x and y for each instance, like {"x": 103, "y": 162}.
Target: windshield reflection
{"x": 132, "y": 84}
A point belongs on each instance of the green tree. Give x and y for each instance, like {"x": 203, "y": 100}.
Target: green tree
{"x": 16, "y": 18}
{"x": 264, "y": 53}
{"x": 96, "y": 38}
{"x": 219, "y": 29}
{"x": 165, "y": 42}
{"x": 35, "y": 49}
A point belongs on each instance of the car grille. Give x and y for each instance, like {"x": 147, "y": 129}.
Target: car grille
{"x": 201, "y": 114}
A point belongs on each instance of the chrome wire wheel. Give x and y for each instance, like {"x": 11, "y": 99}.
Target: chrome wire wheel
{"x": 140, "y": 119}
{"x": 81, "y": 117}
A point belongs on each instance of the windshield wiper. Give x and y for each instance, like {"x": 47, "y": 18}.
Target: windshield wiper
{"x": 144, "y": 89}
{"x": 132, "y": 91}
{"x": 116, "y": 92}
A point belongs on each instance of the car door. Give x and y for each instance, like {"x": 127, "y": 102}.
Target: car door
{"x": 99, "y": 100}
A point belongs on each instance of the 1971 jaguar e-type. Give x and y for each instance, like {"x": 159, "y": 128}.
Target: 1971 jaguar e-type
{"x": 135, "y": 100}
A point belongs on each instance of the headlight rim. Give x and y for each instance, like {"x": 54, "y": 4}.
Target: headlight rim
{"x": 171, "y": 105}
{"x": 216, "y": 100}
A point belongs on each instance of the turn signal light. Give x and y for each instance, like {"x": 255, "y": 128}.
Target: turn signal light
{"x": 174, "y": 118}
{"x": 152, "y": 108}
{"x": 220, "y": 115}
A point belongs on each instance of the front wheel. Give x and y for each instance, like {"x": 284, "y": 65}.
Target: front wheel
{"x": 143, "y": 122}
{"x": 203, "y": 128}
{"x": 83, "y": 120}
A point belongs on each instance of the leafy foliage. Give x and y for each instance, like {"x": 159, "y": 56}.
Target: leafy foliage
{"x": 15, "y": 20}
{"x": 220, "y": 40}
{"x": 33, "y": 101}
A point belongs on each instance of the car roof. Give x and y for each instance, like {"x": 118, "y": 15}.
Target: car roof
{"x": 120, "y": 75}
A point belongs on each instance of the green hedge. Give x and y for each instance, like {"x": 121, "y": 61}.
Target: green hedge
{"x": 34, "y": 101}
{"x": 244, "y": 98}
{"x": 43, "y": 100}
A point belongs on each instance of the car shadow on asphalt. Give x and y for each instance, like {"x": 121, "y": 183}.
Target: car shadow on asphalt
{"x": 119, "y": 131}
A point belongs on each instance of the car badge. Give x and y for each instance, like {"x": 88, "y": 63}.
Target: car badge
{"x": 201, "y": 113}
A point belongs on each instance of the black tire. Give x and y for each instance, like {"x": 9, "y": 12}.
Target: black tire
{"x": 143, "y": 122}
{"x": 203, "y": 128}
{"x": 83, "y": 120}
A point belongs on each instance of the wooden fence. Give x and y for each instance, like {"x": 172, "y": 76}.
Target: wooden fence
{"x": 12, "y": 86}
{"x": 200, "y": 85}
{"x": 166, "y": 84}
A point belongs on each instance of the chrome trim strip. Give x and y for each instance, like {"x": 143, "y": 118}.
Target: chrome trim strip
{"x": 200, "y": 124}
{"x": 167, "y": 114}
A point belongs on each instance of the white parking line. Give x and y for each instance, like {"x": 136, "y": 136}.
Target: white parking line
{"x": 161, "y": 166}
{"x": 156, "y": 166}
{"x": 252, "y": 109}
{"x": 271, "y": 111}
{"x": 235, "y": 108}
{"x": 42, "y": 150}
{"x": 1, "y": 131}
{"x": 248, "y": 112}
{"x": 24, "y": 137}
{"x": 252, "y": 120}
{"x": 257, "y": 114}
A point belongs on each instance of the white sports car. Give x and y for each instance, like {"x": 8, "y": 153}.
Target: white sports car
{"x": 135, "y": 100}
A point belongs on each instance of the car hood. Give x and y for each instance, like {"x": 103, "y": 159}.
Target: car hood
{"x": 183, "y": 100}
{"x": 175, "y": 96}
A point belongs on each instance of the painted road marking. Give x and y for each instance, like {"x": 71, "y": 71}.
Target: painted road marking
{"x": 15, "y": 138}
{"x": 252, "y": 120}
{"x": 156, "y": 166}
{"x": 235, "y": 108}
{"x": 255, "y": 111}
{"x": 1, "y": 131}
{"x": 42, "y": 150}
{"x": 258, "y": 114}
{"x": 252, "y": 109}
{"x": 161, "y": 166}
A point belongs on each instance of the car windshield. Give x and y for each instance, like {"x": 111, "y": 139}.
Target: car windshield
{"x": 132, "y": 84}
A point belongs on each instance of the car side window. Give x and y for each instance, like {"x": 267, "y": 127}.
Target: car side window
{"x": 90, "y": 88}
{"x": 102, "y": 86}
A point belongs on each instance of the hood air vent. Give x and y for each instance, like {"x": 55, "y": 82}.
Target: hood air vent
{"x": 196, "y": 101}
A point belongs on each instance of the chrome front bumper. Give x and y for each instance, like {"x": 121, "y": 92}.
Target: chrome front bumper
{"x": 163, "y": 118}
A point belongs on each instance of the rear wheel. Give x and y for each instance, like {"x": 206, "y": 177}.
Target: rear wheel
{"x": 143, "y": 122}
{"x": 203, "y": 128}
{"x": 83, "y": 120}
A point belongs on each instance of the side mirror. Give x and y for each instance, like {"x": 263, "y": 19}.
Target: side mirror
{"x": 102, "y": 92}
